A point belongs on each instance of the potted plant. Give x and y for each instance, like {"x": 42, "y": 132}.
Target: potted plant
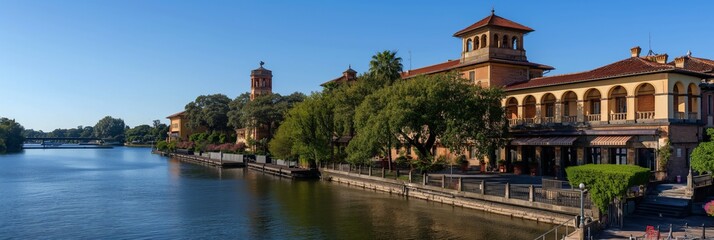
{"x": 534, "y": 168}
{"x": 502, "y": 166}
{"x": 519, "y": 167}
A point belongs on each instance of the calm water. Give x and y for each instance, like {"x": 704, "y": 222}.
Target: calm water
{"x": 128, "y": 193}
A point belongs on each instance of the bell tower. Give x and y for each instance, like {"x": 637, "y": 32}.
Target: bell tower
{"x": 261, "y": 81}
{"x": 493, "y": 37}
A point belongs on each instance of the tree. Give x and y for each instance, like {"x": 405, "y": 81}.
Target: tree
{"x": 703, "y": 155}
{"x": 307, "y": 131}
{"x": 268, "y": 111}
{"x": 386, "y": 65}
{"x": 209, "y": 111}
{"x": 425, "y": 109}
{"x": 110, "y": 128}
{"x": 606, "y": 182}
{"x": 159, "y": 131}
{"x": 236, "y": 110}
{"x": 138, "y": 133}
{"x": 11, "y": 138}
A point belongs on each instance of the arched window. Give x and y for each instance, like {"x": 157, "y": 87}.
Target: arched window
{"x": 476, "y": 43}
{"x": 592, "y": 105}
{"x": 645, "y": 107}
{"x": 693, "y": 103}
{"x": 469, "y": 45}
{"x": 679, "y": 100}
{"x": 548, "y": 108}
{"x": 496, "y": 41}
{"x": 618, "y": 103}
{"x": 570, "y": 107}
{"x": 529, "y": 109}
{"x": 512, "y": 108}
{"x": 514, "y": 43}
{"x": 484, "y": 40}
{"x": 504, "y": 43}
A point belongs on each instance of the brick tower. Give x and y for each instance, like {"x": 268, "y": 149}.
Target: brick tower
{"x": 261, "y": 81}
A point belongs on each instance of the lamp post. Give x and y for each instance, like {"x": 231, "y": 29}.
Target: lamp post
{"x": 582, "y": 200}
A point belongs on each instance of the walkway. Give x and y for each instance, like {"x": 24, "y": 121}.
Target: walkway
{"x": 636, "y": 226}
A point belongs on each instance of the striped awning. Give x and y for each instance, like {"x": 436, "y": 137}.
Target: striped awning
{"x": 610, "y": 140}
{"x": 544, "y": 141}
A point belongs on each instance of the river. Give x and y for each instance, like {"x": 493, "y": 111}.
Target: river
{"x": 129, "y": 193}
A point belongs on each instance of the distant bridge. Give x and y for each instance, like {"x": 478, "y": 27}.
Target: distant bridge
{"x": 61, "y": 139}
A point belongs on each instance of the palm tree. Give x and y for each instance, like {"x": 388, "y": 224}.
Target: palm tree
{"x": 386, "y": 65}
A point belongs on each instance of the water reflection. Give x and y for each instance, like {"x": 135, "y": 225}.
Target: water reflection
{"x": 130, "y": 193}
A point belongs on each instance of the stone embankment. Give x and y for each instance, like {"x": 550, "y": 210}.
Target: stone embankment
{"x": 540, "y": 212}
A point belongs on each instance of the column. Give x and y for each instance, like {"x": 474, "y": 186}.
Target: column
{"x": 558, "y": 112}
{"x": 631, "y": 108}
{"x": 605, "y": 109}
{"x": 581, "y": 110}
{"x": 557, "y": 162}
{"x": 581, "y": 155}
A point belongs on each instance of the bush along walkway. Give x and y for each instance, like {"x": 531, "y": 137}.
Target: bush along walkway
{"x": 524, "y": 201}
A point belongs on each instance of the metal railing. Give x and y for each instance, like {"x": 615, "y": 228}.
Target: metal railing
{"x": 618, "y": 116}
{"x": 702, "y": 181}
{"x": 554, "y": 184}
{"x": 529, "y": 120}
{"x": 559, "y": 232}
{"x": 693, "y": 116}
{"x": 515, "y": 121}
{"x": 680, "y": 115}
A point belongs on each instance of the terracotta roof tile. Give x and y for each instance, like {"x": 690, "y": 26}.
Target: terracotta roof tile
{"x": 439, "y": 67}
{"x": 494, "y": 20}
{"x": 695, "y": 64}
{"x": 176, "y": 114}
{"x": 627, "y": 67}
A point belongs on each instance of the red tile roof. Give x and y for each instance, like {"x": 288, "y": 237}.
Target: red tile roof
{"x": 439, "y": 67}
{"x": 494, "y": 20}
{"x": 627, "y": 67}
{"x": 695, "y": 64}
{"x": 176, "y": 114}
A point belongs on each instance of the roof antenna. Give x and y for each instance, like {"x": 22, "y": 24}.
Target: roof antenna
{"x": 493, "y": 10}
{"x": 650, "y": 52}
{"x": 410, "y": 60}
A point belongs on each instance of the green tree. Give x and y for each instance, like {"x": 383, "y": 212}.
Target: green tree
{"x": 268, "y": 111}
{"x": 606, "y": 182}
{"x": 386, "y": 65}
{"x": 703, "y": 155}
{"x": 11, "y": 136}
{"x": 138, "y": 133}
{"x": 110, "y": 128}
{"x": 210, "y": 111}
{"x": 307, "y": 131}
{"x": 236, "y": 110}
{"x": 425, "y": 109}
{"x": 159, "y": 131}
{"x": 87, "y": 132}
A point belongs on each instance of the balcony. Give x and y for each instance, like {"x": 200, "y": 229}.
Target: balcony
{"x": 514, "y": 121}
{"x": 570, "y": 119}
{"x": 618, "y": 116}
{"x": 645, "y": 115}
{"x": 547, "y": 120}
{"x": 529, "y": 120}
{"x": 693, "y": 116}
{"x": 593, "y": 117}
{"x": 680, "y": 115}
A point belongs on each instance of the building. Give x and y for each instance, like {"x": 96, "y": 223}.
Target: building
{"x": 348, "y": 75}
{"x": 261, "y": 83}
{"x": 178, "y": 127}
{"x": 620, "y": 113}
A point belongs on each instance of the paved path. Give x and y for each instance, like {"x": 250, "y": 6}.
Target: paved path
{"x": 636, "y": 225}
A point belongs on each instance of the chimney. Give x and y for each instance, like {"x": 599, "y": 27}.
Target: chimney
{"x": 680, "y": 62}
{"x": 661, "y": 59}
{"x": 635, "y": 51}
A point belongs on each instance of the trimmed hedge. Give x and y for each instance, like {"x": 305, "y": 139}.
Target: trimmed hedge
{"x": 605, "y": 182}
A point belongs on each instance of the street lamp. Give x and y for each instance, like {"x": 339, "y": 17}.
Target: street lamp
{"x": 582, "y": 210}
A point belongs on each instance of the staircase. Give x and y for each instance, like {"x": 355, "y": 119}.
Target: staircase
{"x": 666, "y": 200}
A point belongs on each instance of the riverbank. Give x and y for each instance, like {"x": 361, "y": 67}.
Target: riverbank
{"x": 492, "y": 204}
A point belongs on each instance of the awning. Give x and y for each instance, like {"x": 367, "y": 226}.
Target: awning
{"x": 544, "y": 141}
{"x": 610, "y": 140}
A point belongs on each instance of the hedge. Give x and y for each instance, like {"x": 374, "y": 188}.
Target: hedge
{"x": 605, "y": 182}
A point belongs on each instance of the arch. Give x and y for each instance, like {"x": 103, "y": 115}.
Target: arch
{"x": 514, "y": 43}
{"x": 679, "y": 100}
{"x": 512, "y": 108}
{"x": 529, "y": 107}
{"x": 547, "y": 103}
{"x": 496, "y": 41}
{"x": 504, "y": 43}
{"x": 477, "y": 45}
{"x": 469, "y": 45}
{"x": 644, "y": 101}
{"x": 484, "y": 40}
{"x": 693, "y": 101}
{"x": 570, "y": 106}
{"x": 592, "y": 104}
{"x": 618, "y": 103}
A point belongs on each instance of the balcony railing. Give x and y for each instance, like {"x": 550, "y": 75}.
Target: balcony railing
{"x": 693, "y": 116}
{"x": 546, "y": 120}
{"x": 680, "y": 115}
{"x": 618, "y": 116}
{"x": 529, "y": 120}
{"x": 570, "y": 119}
{"x": 593, "y": 117}
{"x": 645, "y": 115}
{"x": 514, "y": 121}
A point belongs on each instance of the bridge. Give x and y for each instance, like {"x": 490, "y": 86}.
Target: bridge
{"x": 56, "y": 142}
{"x": 61, "y": 139}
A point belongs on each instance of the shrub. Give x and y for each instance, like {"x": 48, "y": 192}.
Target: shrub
{"x": 607, "y": 181}
{"x": 162, "y": 146}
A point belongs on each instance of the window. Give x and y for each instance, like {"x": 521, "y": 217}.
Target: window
{"x": 595, "y": 107}
{"x": 593, "y": 155}
{"x": 174, "y": 126}
{"x": 621, "y": 104}
{"x": 618, "y": 155}
{"x": 549, "y": 109}
{"x": 472, "y": 76}
{"x": 469, "y": 46}
{"x": 566, "y": 109}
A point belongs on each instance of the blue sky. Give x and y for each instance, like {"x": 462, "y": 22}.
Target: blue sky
{"x": 70, "y": 63}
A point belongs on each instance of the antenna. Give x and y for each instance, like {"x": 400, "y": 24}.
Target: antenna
{"x": 650, "y": 52}
{"x": 410, "y": 60}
